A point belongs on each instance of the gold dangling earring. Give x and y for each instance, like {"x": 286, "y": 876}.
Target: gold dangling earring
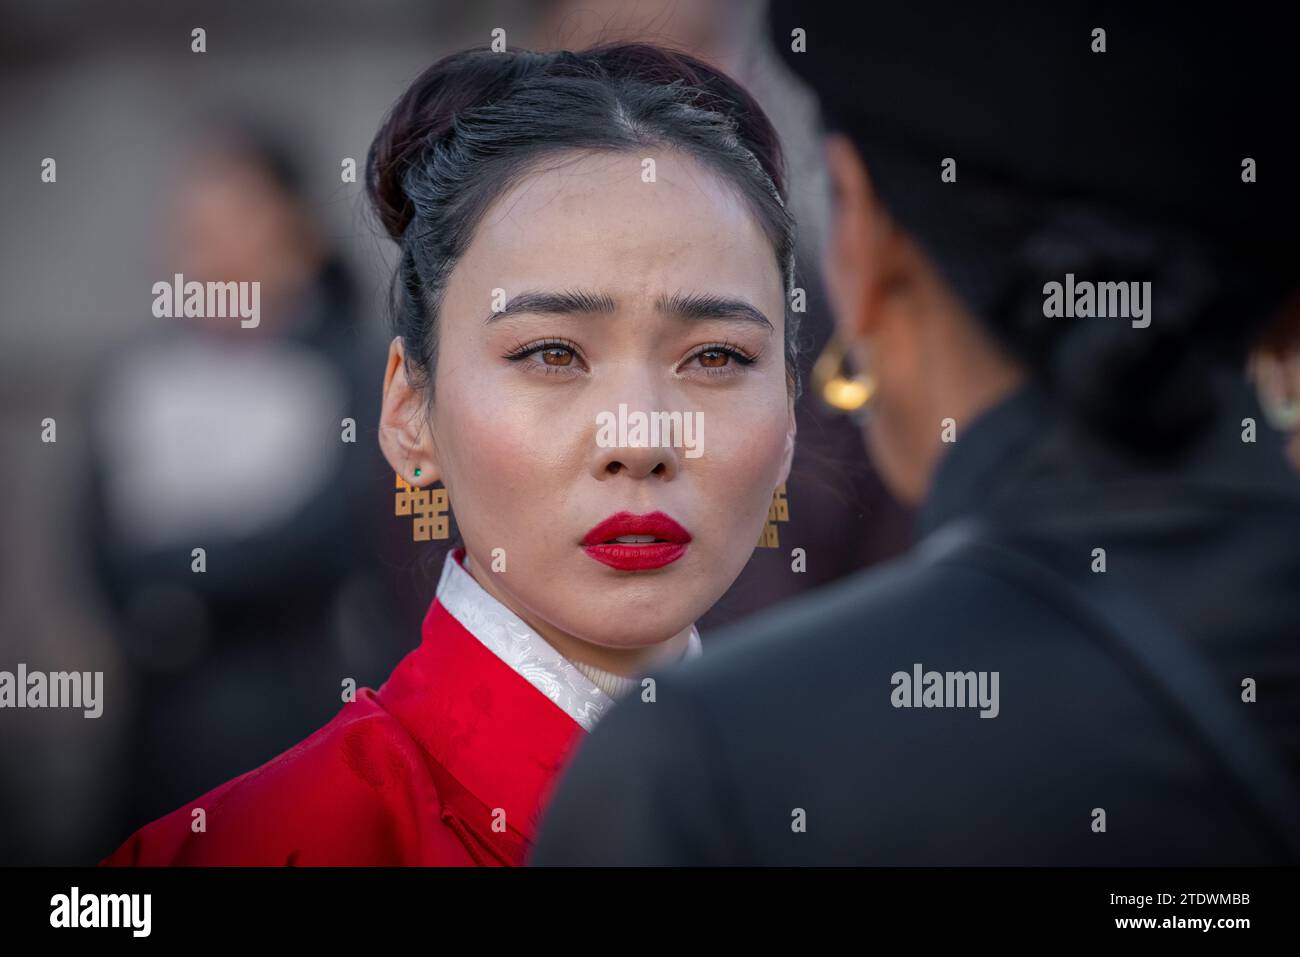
{"x": 839, "y": 391}
{"x": 428, "y": 505}
{"x": 778, "y": 511}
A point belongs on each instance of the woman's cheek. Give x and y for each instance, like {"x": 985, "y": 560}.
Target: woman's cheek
{"x": 749, "y": 442}
{"x": 481, "y": 440}
{"x": 747, "y": 454}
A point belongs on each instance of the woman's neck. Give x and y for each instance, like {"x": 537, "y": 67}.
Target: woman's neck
{"x": 626, "y": 662}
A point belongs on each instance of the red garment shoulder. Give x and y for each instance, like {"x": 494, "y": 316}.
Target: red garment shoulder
{"x": 451, "y": 761}
{"x": 356, "y": 792}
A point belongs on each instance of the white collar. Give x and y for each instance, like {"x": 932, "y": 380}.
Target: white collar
{"x": 507, "y": 636}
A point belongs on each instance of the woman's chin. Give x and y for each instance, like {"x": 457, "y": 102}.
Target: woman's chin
{"x": 613, "y": 619}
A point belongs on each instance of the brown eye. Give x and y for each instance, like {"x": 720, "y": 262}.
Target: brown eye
{"x": 714, "y": 358}
{"x": 557, "y": 356}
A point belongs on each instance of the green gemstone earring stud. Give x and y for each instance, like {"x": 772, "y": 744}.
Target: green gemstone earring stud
{"x": 417, "y": 473}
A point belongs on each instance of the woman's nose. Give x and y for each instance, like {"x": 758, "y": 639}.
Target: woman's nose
{"x": 638, "y": 442}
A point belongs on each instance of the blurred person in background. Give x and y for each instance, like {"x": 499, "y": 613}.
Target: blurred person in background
{"x": 1110, "y": 566}
{"x": 205, "y": 434}
{"x": 1275, "y": 370}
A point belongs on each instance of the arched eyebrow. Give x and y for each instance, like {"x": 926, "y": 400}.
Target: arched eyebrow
{"x": 685, "y": 306}
{"x": 706, "y": 306}
{"x": 563, "y": 302}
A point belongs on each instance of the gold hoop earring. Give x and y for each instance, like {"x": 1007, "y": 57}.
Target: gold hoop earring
{"x": 838, "y": 390}
{"x": 428, "y": 506}
{"x": 778, "y": 511}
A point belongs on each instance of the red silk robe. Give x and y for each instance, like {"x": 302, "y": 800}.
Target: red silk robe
{"x": 450, "y": 762}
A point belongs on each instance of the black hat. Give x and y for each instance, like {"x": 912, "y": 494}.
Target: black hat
{"x": 1150, "y": 114}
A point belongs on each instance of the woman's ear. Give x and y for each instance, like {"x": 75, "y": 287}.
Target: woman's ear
{"x": 847, "y": 256}
{"x": 404, "y": 434}
{"x": 870, "y": 266}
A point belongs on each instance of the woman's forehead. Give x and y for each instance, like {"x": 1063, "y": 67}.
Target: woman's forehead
{"x": 606, "y": 219}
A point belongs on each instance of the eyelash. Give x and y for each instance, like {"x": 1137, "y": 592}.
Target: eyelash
{"x": 733, "y": 351}
{"x": 521, "y": 352}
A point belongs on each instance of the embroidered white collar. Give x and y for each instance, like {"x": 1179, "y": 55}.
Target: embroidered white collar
{"x": 510, "y": 639}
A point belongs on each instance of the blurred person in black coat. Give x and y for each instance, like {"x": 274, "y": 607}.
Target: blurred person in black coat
{"x": 1091, "y": 656}
{"x": 209, "y": 434}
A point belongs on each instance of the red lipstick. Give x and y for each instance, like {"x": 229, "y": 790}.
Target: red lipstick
{"x": 668, "y": 544}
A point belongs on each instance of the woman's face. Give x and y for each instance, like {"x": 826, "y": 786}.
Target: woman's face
{"x": 526, "y": 411}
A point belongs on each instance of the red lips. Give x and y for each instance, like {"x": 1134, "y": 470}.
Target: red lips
{"x": 670, "y": 544}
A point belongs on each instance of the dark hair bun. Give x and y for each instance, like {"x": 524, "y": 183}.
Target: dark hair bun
{"x": 427, "y": 112}
{"x": 1146, "y": 387}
